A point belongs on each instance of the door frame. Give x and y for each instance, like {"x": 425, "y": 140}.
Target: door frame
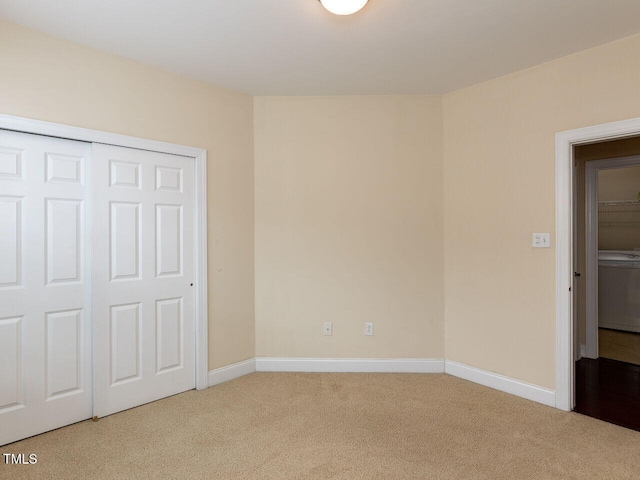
{"x": 565, "y": 341}
{"x": 26, "y": 125}
{"x": 591, "y": 210}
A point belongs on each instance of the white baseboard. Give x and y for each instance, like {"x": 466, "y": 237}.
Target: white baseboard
{"x": 502, "y": 383}
{"x": 583, "y": 351}
{"x": 224, "y": 374}
{"x": 386, "y": 365}
{"x": 354, "y": 365}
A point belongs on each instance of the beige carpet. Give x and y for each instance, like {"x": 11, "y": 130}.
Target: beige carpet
{"x": 336, "y": 426}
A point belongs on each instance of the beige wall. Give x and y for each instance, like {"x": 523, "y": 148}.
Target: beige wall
{"x": 413, "y": 212}
{"x": 348, "y": 194}
{"x": 619, "y": 184}
{"x": 50, "y": 79}
{"x": 499, "y": 181}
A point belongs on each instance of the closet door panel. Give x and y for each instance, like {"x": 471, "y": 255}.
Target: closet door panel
{"x": 45, "y": 309}
{"x": 144, "y": 335}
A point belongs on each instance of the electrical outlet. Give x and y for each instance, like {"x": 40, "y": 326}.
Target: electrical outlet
{"x": 327, "y": 329}
{"x": 368, "y": 329}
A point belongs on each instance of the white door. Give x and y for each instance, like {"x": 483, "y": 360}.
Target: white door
{"x": 45, "y": 334}
{"x": 144, "y": 340}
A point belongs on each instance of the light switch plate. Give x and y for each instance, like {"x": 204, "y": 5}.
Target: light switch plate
{"x": 541, "y": 240}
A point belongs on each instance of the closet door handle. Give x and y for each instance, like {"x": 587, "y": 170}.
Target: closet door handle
{"x": 576, "y": 274}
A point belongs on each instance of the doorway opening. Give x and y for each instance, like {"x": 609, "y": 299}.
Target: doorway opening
{"x": 607, "y": 280}
{"x": 566, "y": 344}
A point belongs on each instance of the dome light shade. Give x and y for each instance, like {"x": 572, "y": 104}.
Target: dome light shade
{"x": 343, "y": 7}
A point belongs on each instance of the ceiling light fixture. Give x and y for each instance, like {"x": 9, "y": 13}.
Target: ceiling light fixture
{"x": 343, "y": 7}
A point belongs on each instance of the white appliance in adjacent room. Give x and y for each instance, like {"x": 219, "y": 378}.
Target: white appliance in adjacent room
{"x": 619, "y": 290}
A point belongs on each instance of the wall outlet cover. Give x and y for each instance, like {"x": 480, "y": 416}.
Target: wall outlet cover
{"x": 327, "y": 329}
{"x": 368, "y": 329}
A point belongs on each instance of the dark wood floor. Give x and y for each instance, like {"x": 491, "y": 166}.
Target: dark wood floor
{"x": 609, "y": 390}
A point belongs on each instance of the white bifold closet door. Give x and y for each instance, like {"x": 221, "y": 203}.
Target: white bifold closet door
{"x": 143, "y": 274}
{"x": 45, "y": 305}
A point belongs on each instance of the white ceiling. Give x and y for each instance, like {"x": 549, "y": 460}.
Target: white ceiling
{"x": 295, "y": 47}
